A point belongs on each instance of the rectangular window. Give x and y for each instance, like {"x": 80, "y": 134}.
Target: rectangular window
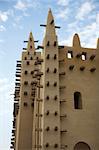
{"x": 28, "y": 62}
{"x": 83, "y": 56}
{"x": 77, "y": 100}
{"x": 70, "y": 54}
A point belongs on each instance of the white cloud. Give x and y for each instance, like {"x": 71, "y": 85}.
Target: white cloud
{"x": 21, "y": 5}
{"x": 24, "y": 5}
{"x": 90, "y": 33}
{"x": 2, "y": 28}
{"x": 63, "y": 2}
{"x": 3, "y": 16}
{"x": 16, "y": 22}
{"x": 62, "y": 13}
{"x": 84, "y": 10}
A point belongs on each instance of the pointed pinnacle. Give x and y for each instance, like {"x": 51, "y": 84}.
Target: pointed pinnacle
{"x": 50, "y": 28}
{"x": 76, "y": 41}
{"x": 31, "y": 43}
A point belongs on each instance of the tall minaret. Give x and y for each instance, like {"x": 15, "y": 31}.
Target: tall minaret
{"x": 50, "y": 106}
{"x": 24, "y": 125}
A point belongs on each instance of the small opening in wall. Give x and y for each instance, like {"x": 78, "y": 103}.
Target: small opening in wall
{"x": 25, "y": 58}
{"x": 31, "y": 58}
{"x": 47, "y": 97}
{"x": 32, "y": 72}
{"x": 30, "y": 46}
{"x": 83, "y": 56}
{"x": 70, "y": 54}
{"x": 47, "y": 83}
{"x": 56, "y": 113}
{"x": 47, "y": 70}
{"x": 55, "y": 98}
{"x": 48, "y": 56}
{"x": 55, "y": 84}
{"x": 47, "y": 128}
{"x": 25, "y": 72}
{"x": 55, "y": 43}
{"x": 56, "y": 145}
{"x": 48, "y": 43}
{"x": 28, "y": 62}
{"x": 55, "y": 70}
{"x": 25, "y": 93}
{"x": 77, "y": 100}
{"x": 47, "y": 145}
{"x": 34, "y": 53}
{"x": 25, "y": 82}
{"x": 47, "y": 113}
{"x": 56, "y": 128}
{"x": 55, "y": 56}
{"x": 32, "y": 104}
{"x": 25, "y": 104}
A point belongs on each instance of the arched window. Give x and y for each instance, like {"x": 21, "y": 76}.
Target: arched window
{"x": 77, "y": 100}
{"x": 82, "y": 146}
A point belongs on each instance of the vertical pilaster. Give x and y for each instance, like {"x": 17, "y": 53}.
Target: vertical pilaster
{"x": 26, "y": 106}
{"x": 51, "y": 105}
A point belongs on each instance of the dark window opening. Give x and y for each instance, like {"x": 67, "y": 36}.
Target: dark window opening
{"x": 32, "y": 72}
{"x": 26, "y": 72}
{"x": 25, "y": 58}
{"x": 56, "y": 128}
{"x": 30, "y": 46}
{"x": 55, "y": 70}
{"x": 47, "y": 145}
{"x": 47, "y": 113}
{"x": 55, "y": 84}
{"x": 77, "y": 100}
{"x": 34, "y": 53}
{"x": 47, "y": 70}
{"x": 55, "y": 56}
{"x": 25, "y": 93}
{"x": 48, "y": 43}
{"x": 25, "y": 82}
{"x": 56, "y": 113}
{"x": 82, "y": 146}
{"x": 55, "y": 43}
{"x": 47, "y": 97}
{"x": 84, "y": 56}
{"x": 70, "y": 54}
{"x": 48, "y": 56}
{"x": 25, "y": 104}
{"x": 56, "y": 145}
{"x": 55, "y": 98}
{"x": 47, "y": 128}
{"x": 28, "y": 62}
{"x": 48, "y": 83}
{"x": 31, "y": 58}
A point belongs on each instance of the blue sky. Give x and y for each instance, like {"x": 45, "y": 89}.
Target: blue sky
{"x": 17, "y": 19}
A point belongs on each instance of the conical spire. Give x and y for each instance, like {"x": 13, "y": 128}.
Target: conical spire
{"x": 50, "y": 28}
{"x": 76, "y": 41}
{"x": 98, "y": 43}
{"x": 31, "y": 46}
